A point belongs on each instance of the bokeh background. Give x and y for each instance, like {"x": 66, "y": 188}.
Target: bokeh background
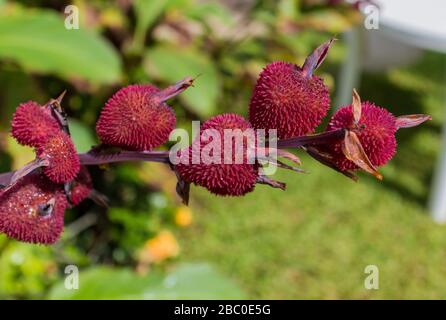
{"x": 312, "y": 241}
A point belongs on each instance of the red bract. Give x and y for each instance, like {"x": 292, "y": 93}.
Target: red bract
{"x": 221, "y": 179}
{"x": 137, "y": 117}
{"x": 376, "y": 131}
{"x": 63, "y": 161}
{"x": 33, "y": 210}
{"x": 32, "y": 124}
{"x": 290, "y": 98}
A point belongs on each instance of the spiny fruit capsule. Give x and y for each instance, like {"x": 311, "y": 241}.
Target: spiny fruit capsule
{"x": 81, "y": 186}
{"x": 225, "y": 179}
{"x": 290, "y": 98}
{"x": 375, "y": 129}
{"x": 33, "y": 210}
{"x": 368, "y": 138}
{"x": 137, "y": 117}
{"x": 64, "y": 163}
{"x": 133, "y": 120}
{"x": 32, "y": 124}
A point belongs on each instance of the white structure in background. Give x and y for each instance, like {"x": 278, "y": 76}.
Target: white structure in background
{"x": 406, "y": 27}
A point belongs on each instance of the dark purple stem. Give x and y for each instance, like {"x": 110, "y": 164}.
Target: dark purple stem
{"x": 315, "y": 139}
{"x": 90, "y": 159}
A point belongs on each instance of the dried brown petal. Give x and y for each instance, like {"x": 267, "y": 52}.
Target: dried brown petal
{"x": 354, "y": 152}
{"x": 261, "y": 179}
{"x": 288, "y": 155}
{"x": 411, "y": 120}
{"x": 357, "y": 107}
{"x": 280, "y": 153}
{"x": 282, "y": 165}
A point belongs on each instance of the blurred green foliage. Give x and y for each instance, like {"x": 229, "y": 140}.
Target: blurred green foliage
{"x": 186, "y": 281}
{"x": 25, "y": 270}
{"x": 37, "y": 42}
{"x": 164, "y": 63}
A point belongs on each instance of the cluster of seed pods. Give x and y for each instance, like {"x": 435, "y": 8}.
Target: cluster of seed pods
{"x": 136, "y": 119}
{"x": 33, "y": 203}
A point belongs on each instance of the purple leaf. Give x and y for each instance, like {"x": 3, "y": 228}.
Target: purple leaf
{"x": 315, "y": 59}
{"x": 320, "y": 138}
{"x": 326, "y": 160}
{"x": 175, "y": 89}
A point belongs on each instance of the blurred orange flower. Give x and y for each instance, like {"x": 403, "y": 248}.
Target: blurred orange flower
{"x": 159, "y": 248}
{"x": 183, "y": 216}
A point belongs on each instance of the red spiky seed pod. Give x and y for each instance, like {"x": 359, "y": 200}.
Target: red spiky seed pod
{"x": 376, "y": 131}
{"x": 220, "y": 178}
{"x": 289, "y": 98}
{"x": 137, "y": 117}
{"x": 63, "y": 161}
{"x": 368, "y": 138}
{"x": 33, "y": 210}
{"x": 32, "y": 124}
{"x": 82, "y": 186}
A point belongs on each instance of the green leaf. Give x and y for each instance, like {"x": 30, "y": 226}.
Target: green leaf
{"x": 38, "y": 41}
{"x": 187, "y": 281}
{"x": 82, "y": 136}
{"x": 104, "y": 283}
{"x": 172, "y": 64}
{"x": 289, "y": 9}
{"x": 16, "y": 87}
{"x": 194, "y": 281}
{"x": 146, "y": 11}
{"x": 210, "y": 9}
